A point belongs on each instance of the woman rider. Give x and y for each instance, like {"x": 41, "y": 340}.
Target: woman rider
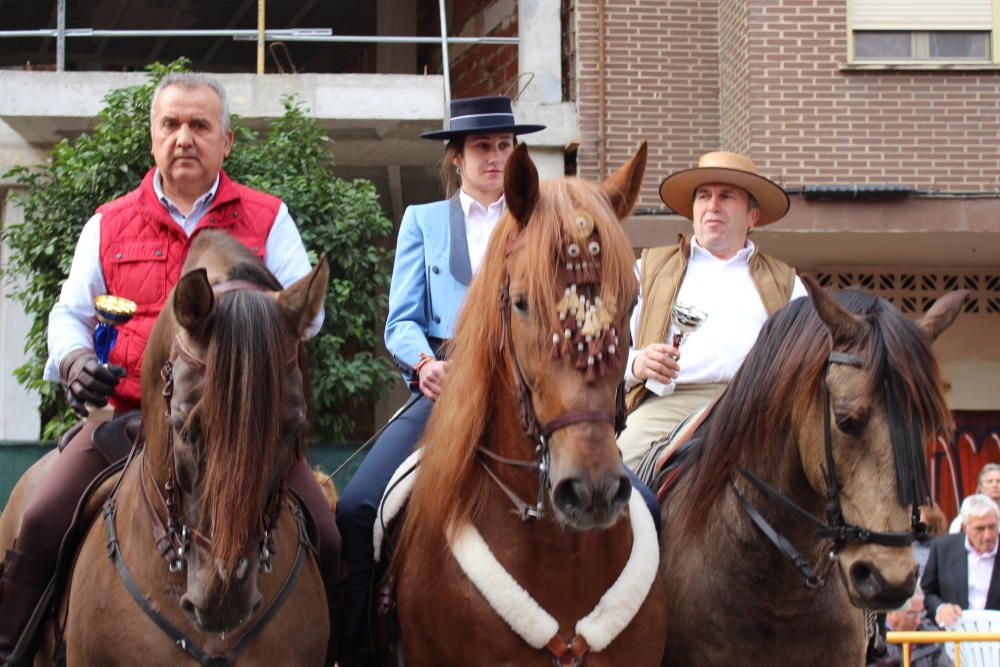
{"x": 439, "y": 249}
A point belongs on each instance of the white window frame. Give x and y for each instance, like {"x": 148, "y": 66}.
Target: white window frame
{"x": 992, "y": 60}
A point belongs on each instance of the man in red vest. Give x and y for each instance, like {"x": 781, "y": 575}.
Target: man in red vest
{"x": 134, "y": 247}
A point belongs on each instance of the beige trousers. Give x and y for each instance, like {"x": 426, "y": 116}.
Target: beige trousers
{"x": 657, "y": 416}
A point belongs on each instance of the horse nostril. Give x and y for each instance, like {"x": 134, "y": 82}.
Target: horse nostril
{"x": 187, "y": 606}
{"x": 571, "y": 496}
{"x": 622, "y": 493}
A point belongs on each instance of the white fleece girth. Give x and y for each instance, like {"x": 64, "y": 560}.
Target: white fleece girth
{"x": 615, "y": 610}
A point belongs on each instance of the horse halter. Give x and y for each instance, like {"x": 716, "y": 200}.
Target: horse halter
{"x": 835, "y": 527}
{"x": 534, "y": 429}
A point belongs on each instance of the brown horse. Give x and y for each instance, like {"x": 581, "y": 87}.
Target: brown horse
{"x": 526, "y": 423}
{"x": 202, "y": 511}
{"x": 828, "y": 416}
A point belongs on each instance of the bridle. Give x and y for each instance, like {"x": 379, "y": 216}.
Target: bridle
{"x": 836, "y": 527}
{"x": 173, "y": 538}
{"x": 534, "y": 430}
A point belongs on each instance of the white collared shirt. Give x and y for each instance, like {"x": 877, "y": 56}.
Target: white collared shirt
{"x": 724, "y": 290}
{"x": 72, "y": 320}
{"x": 479, "y": 225}
{"x": 980, "y": 574}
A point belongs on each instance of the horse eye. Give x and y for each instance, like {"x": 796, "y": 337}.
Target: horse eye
{"x": 521, "y": 304}
{"x": 850, "y": 425}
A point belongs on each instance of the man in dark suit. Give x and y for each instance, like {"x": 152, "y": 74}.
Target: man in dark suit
{"x": 962, "y": 571}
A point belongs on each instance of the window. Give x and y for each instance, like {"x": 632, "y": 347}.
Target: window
{"x": 924, "y": 31}
{"x": 949, "y": 46}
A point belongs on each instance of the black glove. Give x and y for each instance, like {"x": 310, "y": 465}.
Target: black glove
{"x": 87, "y": 381}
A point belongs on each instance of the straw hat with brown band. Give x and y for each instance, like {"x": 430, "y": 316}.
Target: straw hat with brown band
{"x": 677, "y": 190}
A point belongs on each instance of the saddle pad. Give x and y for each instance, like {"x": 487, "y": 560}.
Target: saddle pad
{"x": 395, "y": 497}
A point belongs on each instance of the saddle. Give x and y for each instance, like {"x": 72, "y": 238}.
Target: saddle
{"x": 112, "y": 439}
{"x": 660, "y": 465}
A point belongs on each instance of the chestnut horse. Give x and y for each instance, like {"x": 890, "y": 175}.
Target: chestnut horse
{"x": 827, "y": 417}
{"x": 522, "y": 527}
{"x": 201, "y": 513}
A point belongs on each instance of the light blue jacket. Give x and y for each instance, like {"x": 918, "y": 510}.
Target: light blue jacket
{"x": 430, "y": 277}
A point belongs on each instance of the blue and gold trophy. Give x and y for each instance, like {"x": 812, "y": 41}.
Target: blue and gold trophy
{"x": 112, "y": 311}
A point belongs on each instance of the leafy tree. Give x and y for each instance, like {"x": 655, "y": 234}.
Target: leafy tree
{"x": 291, "y": 160}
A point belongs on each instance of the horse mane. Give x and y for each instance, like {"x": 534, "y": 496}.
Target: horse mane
{"x": 241, "y": 408}
{"x": 783, "y": 375}
{"x": 451, "y": 488}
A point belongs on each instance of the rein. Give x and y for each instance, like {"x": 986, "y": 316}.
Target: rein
{"x": 173, "y": 538}
{"x": 533, "y": 428}
{"x": 835, "y": 527}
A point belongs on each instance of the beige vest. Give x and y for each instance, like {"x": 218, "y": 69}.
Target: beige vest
{"x": 662, "y": 274}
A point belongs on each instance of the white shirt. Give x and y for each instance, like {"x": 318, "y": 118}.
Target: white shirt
{"x": 479, "y": 225}
{"x": 980, "y": 574}
{"x": 72, "y": 320}
{"x": 723, "y": 290}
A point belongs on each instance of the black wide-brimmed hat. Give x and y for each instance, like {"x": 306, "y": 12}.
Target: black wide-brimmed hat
{"x": 481, "y": 115}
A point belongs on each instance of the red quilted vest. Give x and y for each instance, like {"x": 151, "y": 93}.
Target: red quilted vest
{"x": 143, "y": 249}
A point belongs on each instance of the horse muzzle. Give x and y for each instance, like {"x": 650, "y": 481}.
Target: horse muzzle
{"x": 221, "y": 611}
{"x": 585, "y": 502}
{"x": 869, "y": 587}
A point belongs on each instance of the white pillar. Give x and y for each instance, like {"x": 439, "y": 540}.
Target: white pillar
{"x": 539, "y": 50}
{"x": 19, "y": 418}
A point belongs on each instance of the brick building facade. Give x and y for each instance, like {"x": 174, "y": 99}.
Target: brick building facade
{"x": 781, "y": 83}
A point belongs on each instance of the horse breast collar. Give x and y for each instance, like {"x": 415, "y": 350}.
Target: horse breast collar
{"x": 615, "y": 610}
{"x": 835, "y": 527}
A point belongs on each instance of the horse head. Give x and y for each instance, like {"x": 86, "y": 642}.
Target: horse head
{"x": 867, "y": 458}
{"x": 567, "y": 294}
{"x": 233, "y": 379}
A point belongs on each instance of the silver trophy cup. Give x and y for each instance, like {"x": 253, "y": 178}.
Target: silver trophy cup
{"x": 686, "y": 319}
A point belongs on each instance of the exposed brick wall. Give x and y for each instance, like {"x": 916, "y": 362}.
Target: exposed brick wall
{"x": 483, "y": 69}
{"x": 767, "y": 78}
{"x": 813, "y": 123}
{"x": 662, "y": 84}
{"x": 734, "y": 84}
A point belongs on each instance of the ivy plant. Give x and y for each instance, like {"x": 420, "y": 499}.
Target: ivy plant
{"x": 291, "y": 159}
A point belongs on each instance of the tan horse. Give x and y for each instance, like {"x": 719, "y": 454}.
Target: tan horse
{"x": 225, "y": 354}
{"x": 734, "y": 597}
{"x": 501, "y": 562}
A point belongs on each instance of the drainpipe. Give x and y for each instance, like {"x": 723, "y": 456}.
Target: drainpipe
{"x": 602, "y": 140}
{"x": 445, "y": 63}
{"x": 260, "y": 36}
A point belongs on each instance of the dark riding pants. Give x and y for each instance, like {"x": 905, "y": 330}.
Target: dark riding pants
{"x": 358, "y": 503}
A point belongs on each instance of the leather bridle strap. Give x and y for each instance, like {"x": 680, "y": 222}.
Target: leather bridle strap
{"x": 168, "y": 628}
{"x": 835, "y": 527}
{"x": 777, "y": 539}
{"x": 534, "y": 430}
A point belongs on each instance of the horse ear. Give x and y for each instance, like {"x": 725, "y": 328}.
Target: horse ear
{"x": 520, "y": 184}
{"x": 845, "y": 327}
{"x": 194, "y": 301}
{"x": 622, "y": 187}
{"x": 943, "y": 313}
{"x": 302, "y": 301}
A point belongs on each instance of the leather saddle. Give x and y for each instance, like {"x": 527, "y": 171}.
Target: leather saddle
{"x": 112, "y": 439}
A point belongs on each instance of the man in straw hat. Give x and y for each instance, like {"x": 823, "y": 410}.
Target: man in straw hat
{"x": 722, "y": 273}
